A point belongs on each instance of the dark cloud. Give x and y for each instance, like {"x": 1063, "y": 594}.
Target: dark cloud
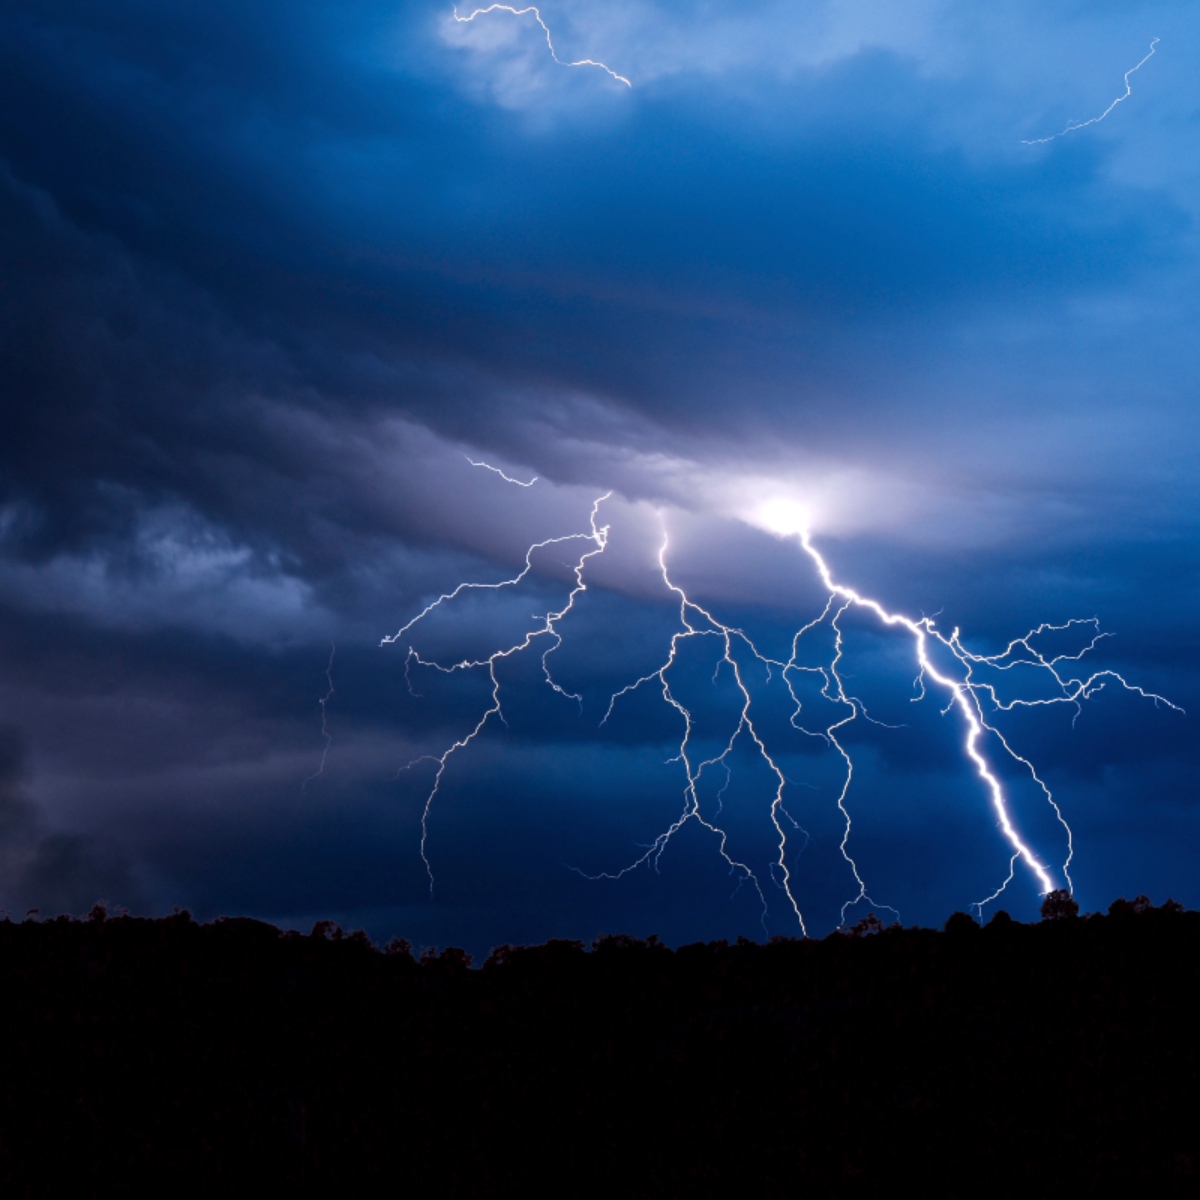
{"x": 271, "y": 274}
{"x": 56, "y": 872}
{"x": 14, "y": 810}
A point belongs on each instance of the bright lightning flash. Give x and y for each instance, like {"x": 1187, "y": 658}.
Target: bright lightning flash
{"x": 1072, "y": 126}
{"x": 968, "y": 694}
{"x": 537, "y": 16}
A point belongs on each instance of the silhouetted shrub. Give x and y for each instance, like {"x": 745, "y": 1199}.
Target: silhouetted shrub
{"x": 399, "y": 948}
{"x": 451, "y": 961}
{"x": 556, "y": 954}
{"x": 1059, "y": 905}
{"x": 866, "y": 927}
{"x": 961, "y": 924}
{"x": 614, "y": 943}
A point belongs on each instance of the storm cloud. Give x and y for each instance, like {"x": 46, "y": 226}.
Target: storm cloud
{"x": 270, "y": 276}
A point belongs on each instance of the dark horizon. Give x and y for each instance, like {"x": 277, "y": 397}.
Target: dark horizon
{"x": 1054, "y": 1054}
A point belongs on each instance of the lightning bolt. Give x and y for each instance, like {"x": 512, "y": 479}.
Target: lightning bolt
{"x": 970, "y": 695}
{"x": 323, "y": 702}
{"x": 966, "y": 695}
{"x": 497, "y": 471}
{"x": 537, "y": 16}
{"x": 1072, "y": 126}
{"x": 598, "y": 537}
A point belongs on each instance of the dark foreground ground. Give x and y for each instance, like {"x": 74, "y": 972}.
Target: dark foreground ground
{"x": 163, "y": 1053}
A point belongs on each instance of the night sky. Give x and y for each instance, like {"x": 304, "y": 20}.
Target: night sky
{"x": 272, "y": 273}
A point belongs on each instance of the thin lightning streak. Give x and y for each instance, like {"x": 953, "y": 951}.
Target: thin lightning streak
{"x": 1072, "y": 126}
{"x": 728, "y": 637}
{"x": 598, "y": 536}
{"x": 506, "y": 478}
{"x": 537, "y": 16}
{"x": 324, "y": 702}
{"x": 856, "y": 708}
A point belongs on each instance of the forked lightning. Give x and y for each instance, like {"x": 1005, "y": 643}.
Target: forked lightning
{"x": 537, "y": 16}
{"x": 961, "y": 677}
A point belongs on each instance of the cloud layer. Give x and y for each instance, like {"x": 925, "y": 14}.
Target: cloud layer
{"x": 272, "y": 275}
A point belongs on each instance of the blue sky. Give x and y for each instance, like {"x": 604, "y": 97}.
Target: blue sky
{"x": 270, "y": 277}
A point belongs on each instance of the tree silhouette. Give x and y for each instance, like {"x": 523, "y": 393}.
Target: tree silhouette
{"x": 961, "y": 924}
{"x": 1059, "y": 905}
{"x": 866, "y": 927}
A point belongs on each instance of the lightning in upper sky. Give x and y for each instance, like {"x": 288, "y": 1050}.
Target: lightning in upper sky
{"x": 1072, "y": 126}
{"x": 969, "y": 681}
{"x": 537, "y": 16}
{"x": 497, "y": 471}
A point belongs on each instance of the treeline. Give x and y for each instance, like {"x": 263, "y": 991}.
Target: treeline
{"x": 142, "y": 1053}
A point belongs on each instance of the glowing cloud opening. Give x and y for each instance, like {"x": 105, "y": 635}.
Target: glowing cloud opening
{"x": 782, "y": 516}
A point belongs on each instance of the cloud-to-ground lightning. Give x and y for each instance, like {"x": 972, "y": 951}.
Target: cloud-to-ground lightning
{"x": 968, "y": 680}
{"x": 967, "y": 695}
{"x": 537, "y": 16}
{"x": 1073, "y": 126}
{"x": 324, "y": 703}
{"x": 497, "y": 471}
